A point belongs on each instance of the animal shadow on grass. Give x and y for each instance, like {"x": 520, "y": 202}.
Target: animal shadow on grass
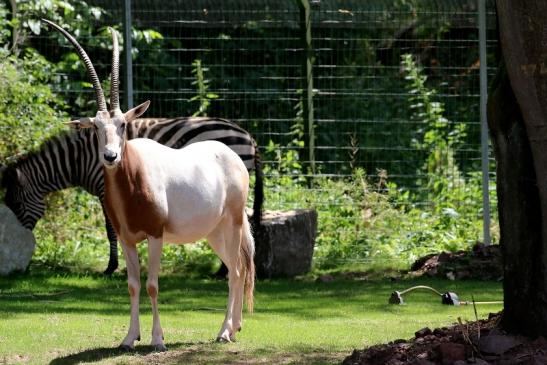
{"x": 101, "y": 353}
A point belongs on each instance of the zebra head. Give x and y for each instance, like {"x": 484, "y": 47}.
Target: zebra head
{"x": 27, "y": 205}
{"x": 109, "y": 125}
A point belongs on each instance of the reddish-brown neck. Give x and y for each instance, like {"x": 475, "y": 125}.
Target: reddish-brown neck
{"x": 129, "y": 201}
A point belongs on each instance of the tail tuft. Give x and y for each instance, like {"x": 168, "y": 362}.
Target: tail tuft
{"x": 248, "y": 252}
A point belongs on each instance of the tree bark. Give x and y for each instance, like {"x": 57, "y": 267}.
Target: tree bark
{"x": 519, "y": 208}
{"x": 518, "y": 122}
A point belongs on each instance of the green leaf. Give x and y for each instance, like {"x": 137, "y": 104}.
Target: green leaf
{"x": 34, "y": 26}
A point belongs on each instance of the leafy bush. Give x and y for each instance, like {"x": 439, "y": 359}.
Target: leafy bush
{"x": 367, "y": 220}
{"x": 29, "y": 111}
{"x": 72, "y": 234}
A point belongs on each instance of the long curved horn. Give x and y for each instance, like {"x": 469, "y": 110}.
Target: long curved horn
{"x": 101, "y": 102}
{"x": 115, "y": 76}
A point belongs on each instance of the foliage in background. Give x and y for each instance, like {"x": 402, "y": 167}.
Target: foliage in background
{"x": 203, "y": 95}
{"x": 368, "y": 220}
{"x": 436, "y": 137}
{"x": 71, "y": 234}
{"x": 364, "y": 217}
{"x": 285, "y": 166}
{"x": 29, "y": 111}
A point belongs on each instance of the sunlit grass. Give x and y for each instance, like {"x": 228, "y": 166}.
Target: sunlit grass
{"x": 67, "y": 319}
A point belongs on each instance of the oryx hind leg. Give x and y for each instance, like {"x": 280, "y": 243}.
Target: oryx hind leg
{"x": 226, "y": 241}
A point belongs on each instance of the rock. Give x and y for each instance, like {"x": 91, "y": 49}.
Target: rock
{"x": 439, "y": 332}
{"x": 418, "y": 264}
{"x": 478, "y": 361}
{"x": 444, "y": 256}
{"x": 422, "y": 362}
{"x": 540, "y": 342}
{"x": 498, "y": 344}
{"x": 451, "y": 352}
{"x": 16, "y": 243}
{"x": 325, "y": 279}
{"x": 285, "y": 242}
{"x": 423, "y": 332}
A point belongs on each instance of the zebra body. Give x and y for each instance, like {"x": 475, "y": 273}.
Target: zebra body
{"x": 71, "y": 159}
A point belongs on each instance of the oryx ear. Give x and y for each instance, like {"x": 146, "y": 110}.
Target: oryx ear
{"x": 81, "y": 123}
{"x": 136, "y": 112}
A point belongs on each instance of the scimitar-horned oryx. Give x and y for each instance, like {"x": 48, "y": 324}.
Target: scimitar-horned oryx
{"x": 161, "y": 194}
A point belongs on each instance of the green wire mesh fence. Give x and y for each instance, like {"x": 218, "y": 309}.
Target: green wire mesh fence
{"x": 370, "y": 110}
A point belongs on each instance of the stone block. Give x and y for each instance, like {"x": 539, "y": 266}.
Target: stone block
{"x": 16, "y": 243}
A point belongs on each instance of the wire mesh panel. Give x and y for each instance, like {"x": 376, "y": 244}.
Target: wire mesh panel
{"x": 248, "y": 53}
{"x": 362, "y": 107}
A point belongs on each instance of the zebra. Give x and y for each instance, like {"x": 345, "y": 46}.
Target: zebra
{"x": 71, "y": 159}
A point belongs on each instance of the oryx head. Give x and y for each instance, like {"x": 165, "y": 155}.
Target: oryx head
{"x": 108, "y": 124}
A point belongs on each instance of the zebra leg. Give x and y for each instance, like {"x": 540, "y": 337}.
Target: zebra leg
{"x": 113, "y": 239}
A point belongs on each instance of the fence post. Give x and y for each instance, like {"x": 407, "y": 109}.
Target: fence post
{"x": 128, "y": 61}
{"x": 484, "y": 125}
{"x": 307, "y": 88}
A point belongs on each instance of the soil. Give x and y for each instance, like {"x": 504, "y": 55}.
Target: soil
{"x": 480, "y": 342}
{"x": 482, "y": 262}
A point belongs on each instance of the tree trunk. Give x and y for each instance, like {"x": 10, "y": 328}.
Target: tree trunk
{"x": 518, "y": 122}
{"x": 519, "y": 208}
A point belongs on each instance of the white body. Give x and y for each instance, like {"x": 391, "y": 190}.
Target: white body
{"x": 190, "y": 185}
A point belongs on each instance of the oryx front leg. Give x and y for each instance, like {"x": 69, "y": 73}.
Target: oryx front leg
{"x": 134, "y": 287}
{"x": 154, "y": 257}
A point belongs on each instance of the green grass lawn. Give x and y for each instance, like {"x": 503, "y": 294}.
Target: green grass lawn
{"x": 58, "y": 318}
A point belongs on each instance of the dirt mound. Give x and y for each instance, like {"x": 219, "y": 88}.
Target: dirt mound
{"x": 482, "y": 262}
{"x": 480, "y": 342}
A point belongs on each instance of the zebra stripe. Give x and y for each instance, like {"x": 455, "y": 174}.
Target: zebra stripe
{"x": 72, "y": 159}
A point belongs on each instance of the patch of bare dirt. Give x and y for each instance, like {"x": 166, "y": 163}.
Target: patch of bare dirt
{"x": 482, "y": 262}
{"x": 480, "y": 342}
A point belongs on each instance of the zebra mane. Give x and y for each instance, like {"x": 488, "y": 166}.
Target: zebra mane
{"x": 10, "y": 176}
{"x": 17, "y": 161}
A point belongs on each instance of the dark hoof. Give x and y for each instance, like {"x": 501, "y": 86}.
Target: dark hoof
{"x": 160, "y": 348}
{"x": 110, "y": 269}
{"x": 126, "y": 348}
